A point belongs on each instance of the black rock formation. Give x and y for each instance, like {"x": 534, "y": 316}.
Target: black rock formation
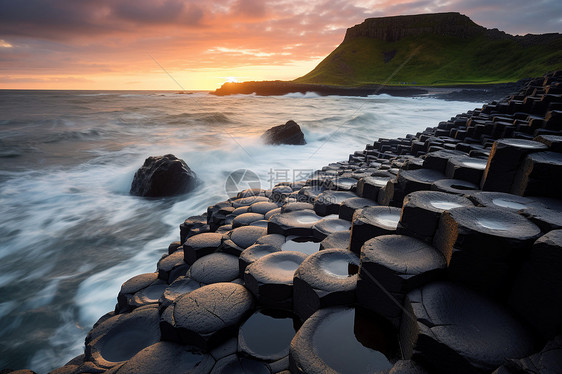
{"x": 163, "y": 176}
{"x": 289, "y": 133}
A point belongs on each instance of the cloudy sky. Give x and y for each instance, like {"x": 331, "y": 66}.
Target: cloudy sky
{"x": 142, "y": 44}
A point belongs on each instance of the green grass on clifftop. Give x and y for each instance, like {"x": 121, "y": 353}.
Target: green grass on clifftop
{"x": 436, "y": 60}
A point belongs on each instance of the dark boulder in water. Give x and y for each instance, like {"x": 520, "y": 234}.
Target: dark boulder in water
{"x": 289, "y": 133}
{"x": 163, "y": 176}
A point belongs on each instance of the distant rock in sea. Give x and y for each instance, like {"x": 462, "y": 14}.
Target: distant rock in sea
{"x": 162, "y": 176}
{"x": 289, "y": 133}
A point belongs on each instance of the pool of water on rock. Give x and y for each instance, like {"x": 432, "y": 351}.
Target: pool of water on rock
{"x": 267, "y": 333}
{"x": 446, "y": 205}
{"x": 340, "y": 265}
{"x": 365, "y": 342}
{"x": 304, "y": 245}
{"x": 390, "y": 220}
{"x": 283, "y": 269}
{"x": 508, "y": 204}
{"x": 492, "y": 224}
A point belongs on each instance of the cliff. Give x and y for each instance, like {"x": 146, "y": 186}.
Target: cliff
{"x": 391, "y": 29}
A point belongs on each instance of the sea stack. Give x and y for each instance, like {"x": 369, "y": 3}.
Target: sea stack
{"x": 162, "y": 176}
{"x": 289, "y": 133}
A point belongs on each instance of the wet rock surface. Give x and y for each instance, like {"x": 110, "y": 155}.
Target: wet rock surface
{"x": 468, "y": 289}
{"x": 163, "y": 176}
{"x": 298, "y": 222}
{"x": 289, "y": 133}
{"x": 391, "y": 266}
{"x": 120, "y": 337}
{"x": 270, "y": 278}
{"x": 205, "y": 316}
{"x": 371, "y": 222}
{"x": 267, "y": 334}
{"x": 421, "y": 212}
{"x": 451, "y": 329}
{"x": 484, "y": 247}
{"x": 327, "y": 278}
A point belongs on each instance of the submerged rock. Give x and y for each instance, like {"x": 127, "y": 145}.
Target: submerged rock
{"x": 289, "y": 133}
{"x": 163, "y": 176}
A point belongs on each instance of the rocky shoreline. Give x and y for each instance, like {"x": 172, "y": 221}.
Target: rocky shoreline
{"x": 475, "y": 92}
{"x": 437, "y": 252}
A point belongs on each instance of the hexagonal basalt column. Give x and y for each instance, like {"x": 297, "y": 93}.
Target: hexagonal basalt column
{"x": 270, "y": 278}
{"x": 369, "y": 187}
{"x": 455, "y": 330}
{"x": 325, "y": 227}
{"x": 241, "y": 238}
{"x": 246, "y": 219}
{"x": 214, "y": 268}
{"x": 328, "y": 202}
{"x": 438, "y": 160}
{"x": 263, "y": 207}
{"x": 422, "y": 209}
{"x": 343, "y": 183}
{"x": 178, "y": 288}
{"x": 253, "y": 253}
{"x": 505, "y": 158}
{"x": 172, "y": 266}
{"x": 249, "y": 200}
{"x": 208, "y": 315}
{"x": 417, "y": 180}
{"x": 371, "y": 222}
{"x": 291, "y": 207}
{"x": 484, "y": 246}
{"x": 309, "y": 193}
{"x": 540, "y": 174}
{"x": 143, "y": 289}
{"x": 392, "y": 266}
{"x": 201, "y": 245}
{"x": 298, "y": 222}
{"x": 547, "y": 214}
{"x": 191, "y": 223}
{"x": 349, "y": 206}
{"x": 469, "y": 169}
{"x": 327, "y": 278}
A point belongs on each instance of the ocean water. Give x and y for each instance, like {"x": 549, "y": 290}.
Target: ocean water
{"x": 70, "y": 234}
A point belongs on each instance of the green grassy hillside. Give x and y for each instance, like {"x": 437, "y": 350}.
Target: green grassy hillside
{"x": 437, "y": 60}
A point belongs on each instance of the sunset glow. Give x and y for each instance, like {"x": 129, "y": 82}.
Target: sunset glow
{"x": 66, "y": 44}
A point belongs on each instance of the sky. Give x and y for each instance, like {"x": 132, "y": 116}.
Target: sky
{"x": 198, "y": 45}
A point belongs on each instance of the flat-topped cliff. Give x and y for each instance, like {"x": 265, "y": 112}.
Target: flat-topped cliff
{"x": 391, "y": 29}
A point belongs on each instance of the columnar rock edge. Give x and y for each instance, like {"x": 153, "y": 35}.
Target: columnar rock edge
{"x": 437, "y": 252}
